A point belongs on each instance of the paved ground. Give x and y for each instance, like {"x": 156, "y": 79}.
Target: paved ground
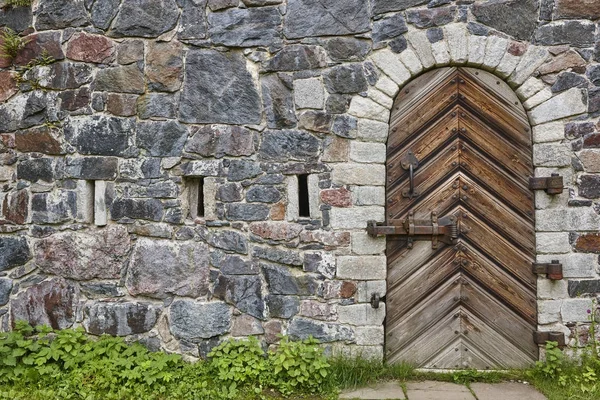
{"x": 429, "y": 390}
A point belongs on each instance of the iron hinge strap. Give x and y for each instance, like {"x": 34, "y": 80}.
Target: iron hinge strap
{"x": 543, "y": 337}
{"x": 552, "y": 184}
{"x": 553, "y": 270}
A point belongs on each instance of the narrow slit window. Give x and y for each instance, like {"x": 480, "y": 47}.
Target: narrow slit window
{"x": 303, "y": 198}
{"x": 200, "y": 194}
{"x": 196, "y": 197}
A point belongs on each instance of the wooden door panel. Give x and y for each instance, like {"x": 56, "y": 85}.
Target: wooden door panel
{"x": 472, "y": 303}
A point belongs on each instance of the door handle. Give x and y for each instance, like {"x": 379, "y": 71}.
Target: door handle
{"x": 410, "y": 163}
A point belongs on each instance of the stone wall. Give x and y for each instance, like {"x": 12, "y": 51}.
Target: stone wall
{"x": 104, "y": 150}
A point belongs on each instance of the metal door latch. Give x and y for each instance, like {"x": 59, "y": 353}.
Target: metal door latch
{"x": 376, "y": 299}
{"x": 436, "y": 229}
{"x": 552, "y": 185}
{"x": 553, "y": 270}
{"x": 543, "y": 337}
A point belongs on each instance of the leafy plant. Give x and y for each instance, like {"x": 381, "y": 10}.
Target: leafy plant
{"x": 299, "y": 366}
{"x": 239, "y": 361}
{"x": 40, "y": 363}
{"x": 18, "y": 3}
{"x": 12, "y": 43}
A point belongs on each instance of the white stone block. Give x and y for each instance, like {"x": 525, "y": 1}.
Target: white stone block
{"x": 380, "y": 98}
{"x": 364, "y": 244}
{"x": 548, "y": 289}
{"x": 575, "y": 265}
{"x": 387, "y": 86}
{"x": 550, "y": 132}
{"x": 313, "y": 196}
{"x": 367, "y": 152}
{"x": 494, "y": 51}
{"x": 566, "y": 104}
{"x": 458, "y": 42}
{"x": 582, "y": 219}
{"x": 364, "y": 268}
{"x": 507, "y": 65}
{"x": 6, "y": 173}
{"x": 204, "y": 168}
{"x": 576, "y": 310}
{"x": 538, "y": 98}
{"x": 366, "y": 289}
{"x": 368, "y": 195}
{"x": 309, "y": 93}
{"x": 477, "y": 47}
{"x": 390, "y": 64}
{"x": 374, "y": 353}
{"x": 359, "y": 174}
{"x": 292, "y": 210}
{"x": 363, "y": 107}
{"x": 100, "y": 211}
{"x": 530, "y": 87}
{"x": 549, "y": 311}
{"x": 552, "y": 243}
{"x": 210, "y": 199}
{"x": 551, "y": 155}
{"x": 411, "y": 61}
{"x": 551, "y": 220}
{"x": 355, "y": 217}
{"x": 374, "y": 131}
{"x": 531, "y": 60}
{"x": 85, "y": 201}
{"x": 441, "y": 54}
{"x": 369, "y": 335}
{"x": 422, "y": 46}
{"x": 361, "y": 314}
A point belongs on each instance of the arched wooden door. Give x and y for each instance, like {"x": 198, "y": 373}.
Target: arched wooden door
{"x": 470, "y": 302}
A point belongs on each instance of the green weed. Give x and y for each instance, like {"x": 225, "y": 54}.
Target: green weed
{"x": 18, "y": 3}
{"x": 12, "y": 43}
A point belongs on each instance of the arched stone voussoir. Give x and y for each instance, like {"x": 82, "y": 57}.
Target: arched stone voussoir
{"x": 514, "y": 62}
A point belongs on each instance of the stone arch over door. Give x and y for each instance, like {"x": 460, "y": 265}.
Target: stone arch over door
{"x": 465, "y": 299}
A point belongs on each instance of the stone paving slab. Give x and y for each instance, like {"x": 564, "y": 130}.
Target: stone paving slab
{"x": 382, "y": 391}
{"x": 505, "y": 391}
{"x": 432, "y": 390}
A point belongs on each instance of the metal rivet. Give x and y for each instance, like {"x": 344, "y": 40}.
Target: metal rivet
{"x": 465, "y": 198}
{"x": 463, "y": 115}
{"x": 454, "y": 196}
{"x": 453, "y": 148}
{"x": 465, "y": 215}
{"x": 456, "y": 332}
{"x": 463, "y": 129}
{"x": 394, "y": 129}
{"x": 454, "y": 129}
{"x": 456, "y": 349}
{"x": 465, "y": 187}
{"x": 454, "y": 114}
{"x": 466, "y": 332}
{"x": 462, "y": 81}
{"x": 454, "y": 163}
{"x": 407, "y": 91}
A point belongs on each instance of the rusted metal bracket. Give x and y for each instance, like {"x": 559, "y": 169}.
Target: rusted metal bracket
{"x": 552, "y": 185}
{"x": 553, "y": 270}
{"x": 436, "y": 229}
{"x": 543, "y": 337}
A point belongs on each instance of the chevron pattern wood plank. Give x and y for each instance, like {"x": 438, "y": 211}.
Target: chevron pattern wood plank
{"x": 471, "y": 304}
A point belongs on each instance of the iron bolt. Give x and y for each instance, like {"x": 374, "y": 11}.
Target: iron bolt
{"x": 465, "y": 187}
